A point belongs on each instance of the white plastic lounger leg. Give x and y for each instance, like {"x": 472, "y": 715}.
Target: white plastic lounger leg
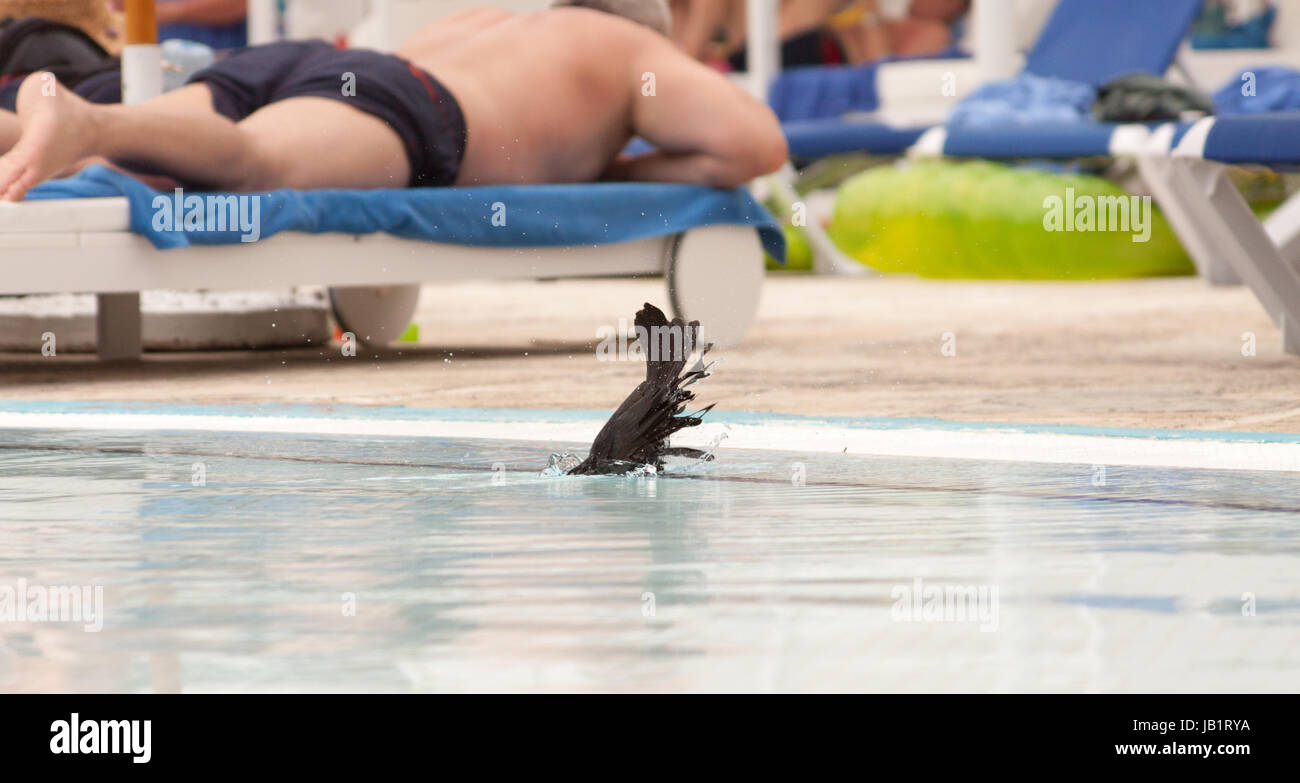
{"x": 1247, "y": 246}
{"x": 1178, "y": 199}
{"x": 119, "y": 328}
{"x": 1283, "y": 227}
{"x": 715, "y": 276}
{"x": 377, "y": 315}
{"x": 827, "y": 258}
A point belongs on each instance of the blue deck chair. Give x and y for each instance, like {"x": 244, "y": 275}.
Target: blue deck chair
{"x": 1089, "y": 41}
{"x": 1224, "y": 237}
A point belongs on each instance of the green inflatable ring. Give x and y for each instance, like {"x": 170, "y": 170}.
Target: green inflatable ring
{"x": 981, "y": 220}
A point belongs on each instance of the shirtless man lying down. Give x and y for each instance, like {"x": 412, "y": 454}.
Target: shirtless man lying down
{"x": 482, "y": 97}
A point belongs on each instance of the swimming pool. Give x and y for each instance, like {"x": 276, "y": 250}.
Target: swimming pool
{"x": 287, "y": 561}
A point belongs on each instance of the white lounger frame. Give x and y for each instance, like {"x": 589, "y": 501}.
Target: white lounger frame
{"x": 1228, "y": 244}
{"x": 714, "y": 273}
{"x": 1225, "y": 239}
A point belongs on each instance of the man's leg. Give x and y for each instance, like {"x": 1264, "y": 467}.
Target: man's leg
{"x": 306, "y": 142}
{"x": 59, "y": 128}
{"x": 299, "y": 143}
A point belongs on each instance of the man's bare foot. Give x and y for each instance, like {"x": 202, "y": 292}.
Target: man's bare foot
{"x": 58, "y": 129}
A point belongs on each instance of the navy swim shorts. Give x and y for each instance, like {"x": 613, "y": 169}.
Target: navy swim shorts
{"x": 419, "y": 109}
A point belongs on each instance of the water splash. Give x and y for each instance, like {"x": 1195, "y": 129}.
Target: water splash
{"x": 715, "y": 443}
{"x": 560, "y": 464}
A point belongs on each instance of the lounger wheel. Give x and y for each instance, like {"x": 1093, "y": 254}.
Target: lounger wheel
{"x": 377, "y": 315}
{"x": 715, "y": 276}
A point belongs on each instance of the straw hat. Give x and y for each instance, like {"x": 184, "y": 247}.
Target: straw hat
{"x": 90, "y": 16}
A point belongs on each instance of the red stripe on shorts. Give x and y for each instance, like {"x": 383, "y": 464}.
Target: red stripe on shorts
{"x": 428, "y": 85}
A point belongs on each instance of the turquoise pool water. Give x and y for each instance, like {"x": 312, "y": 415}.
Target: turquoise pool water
{"x": 323, "y": 563}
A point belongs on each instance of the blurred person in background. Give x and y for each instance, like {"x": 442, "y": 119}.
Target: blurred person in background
{"x": 709, "y": 30}
{"x": 822, "y": 32}
{"x": 926, "y": 28}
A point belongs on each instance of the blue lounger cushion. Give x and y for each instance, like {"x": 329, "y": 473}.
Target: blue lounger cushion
{"x": 535, "y": 215}
{"x": 1255, "y": 138}
{"x": 1065, "y": 140}
{"x": 819, "y": 138}
{"x": 819, "y": 92}
{"x": 822, "y": 92}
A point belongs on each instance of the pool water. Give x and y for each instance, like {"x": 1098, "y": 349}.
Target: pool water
{"x": 234, "y": 562}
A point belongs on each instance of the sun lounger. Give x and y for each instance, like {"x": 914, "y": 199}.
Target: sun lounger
{"x": 1089, "y": 41}
{"x": 99, "y": 232}
{"x": 1186, "y": 168}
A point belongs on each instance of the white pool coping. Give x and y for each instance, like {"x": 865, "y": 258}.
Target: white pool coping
{"x": 910, "y": 438}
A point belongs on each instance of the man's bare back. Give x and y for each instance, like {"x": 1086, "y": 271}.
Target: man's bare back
{"x": 553, "y": 96}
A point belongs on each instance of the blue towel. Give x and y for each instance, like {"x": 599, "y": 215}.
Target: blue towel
{"x": 1273, "y": 90}
{"x": 495, "y": 216}
{"x": 1025, "y": 100}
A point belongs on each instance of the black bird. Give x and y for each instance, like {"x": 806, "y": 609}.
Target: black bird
{"x": 638, "y": 432}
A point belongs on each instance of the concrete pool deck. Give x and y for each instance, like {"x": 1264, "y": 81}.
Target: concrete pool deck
{"x": 1153, "y": 353}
